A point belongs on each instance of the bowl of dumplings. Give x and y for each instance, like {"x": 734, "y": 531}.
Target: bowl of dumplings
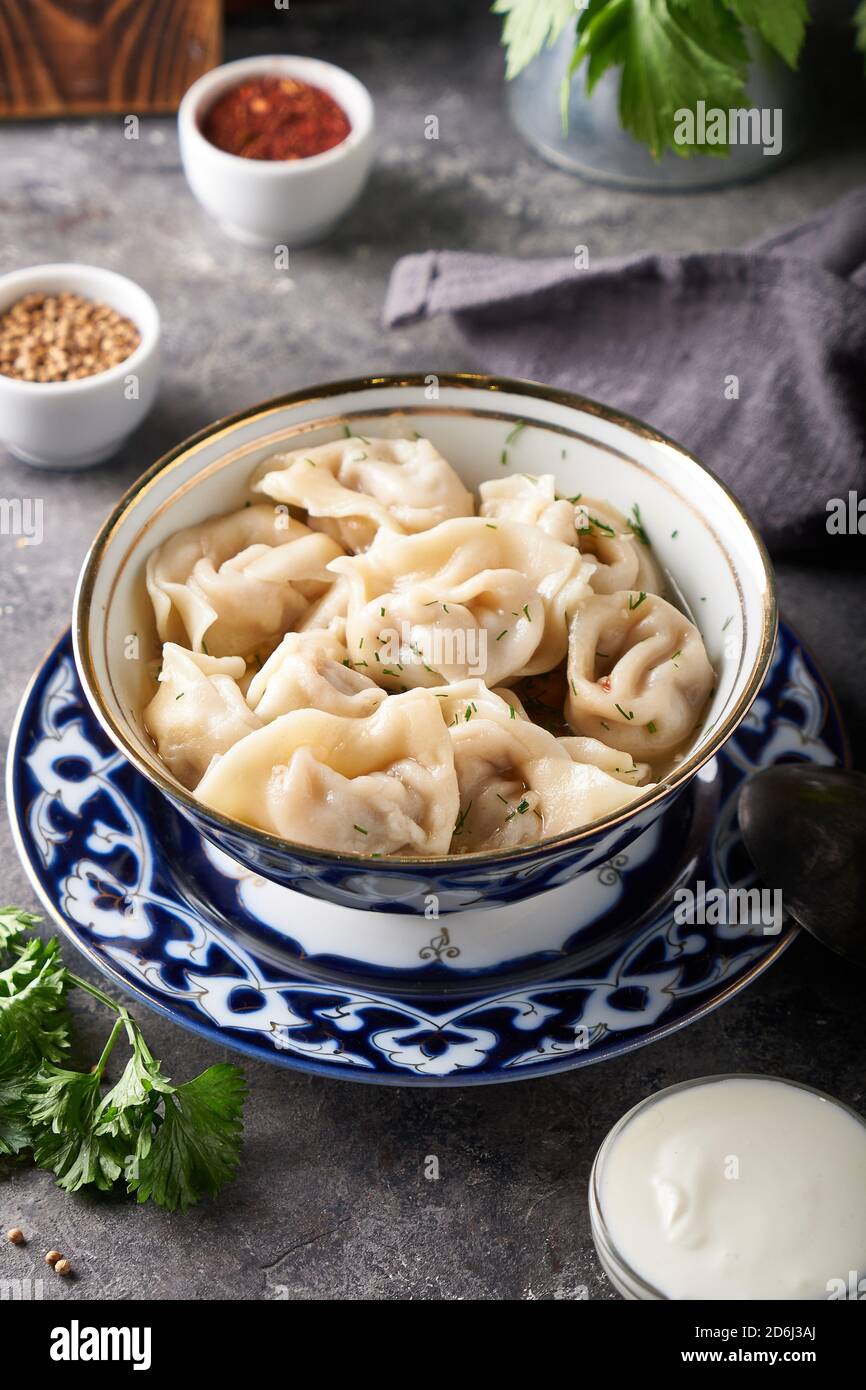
{"x": 400, "y": 641}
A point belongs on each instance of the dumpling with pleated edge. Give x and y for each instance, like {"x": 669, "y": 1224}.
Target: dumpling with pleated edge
{"x": 620, "y": 548}
{"x": 468, "y": 599}
{"x": 614, "y": 761}
{"x": 638, "y": 675}
{"x": 352, "y": 487}
{"x": 235, "y": 583}
{"x": 622, "y": 555}
{"x": 531, "y": 499}
{"x": 379, "y": 785}
{"x": 311, "y": 670}
{"x": 198, "y": 711}
{"x": 518, "y": 783}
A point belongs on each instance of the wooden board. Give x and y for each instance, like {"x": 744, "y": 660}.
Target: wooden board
{"x": 78, "y": 57}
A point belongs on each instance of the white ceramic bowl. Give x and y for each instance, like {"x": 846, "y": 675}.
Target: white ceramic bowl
{"x": 699, "y": 532}
{"x": 269, "y": 202}
{"x": 72, "y": 424}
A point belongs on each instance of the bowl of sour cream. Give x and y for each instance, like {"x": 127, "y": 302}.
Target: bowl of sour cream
{"x": 733, "y": 1187}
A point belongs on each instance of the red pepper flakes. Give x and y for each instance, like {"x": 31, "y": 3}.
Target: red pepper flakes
{"x": 275, "y": 118}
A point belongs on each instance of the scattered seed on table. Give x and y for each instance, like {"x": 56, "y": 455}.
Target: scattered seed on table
{"x": 52, "y": 1257}
{"x": 16, "y": 1235}
{"x": 63, "y": 1267}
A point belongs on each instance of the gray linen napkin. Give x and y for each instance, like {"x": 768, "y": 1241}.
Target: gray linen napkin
{"x": 661, "y": 336}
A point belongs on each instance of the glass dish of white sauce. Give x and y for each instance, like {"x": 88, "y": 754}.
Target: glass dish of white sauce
{"x": 733, "y": 1187}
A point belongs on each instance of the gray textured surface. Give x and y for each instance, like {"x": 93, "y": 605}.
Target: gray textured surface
{"x": 331, "y": 1199}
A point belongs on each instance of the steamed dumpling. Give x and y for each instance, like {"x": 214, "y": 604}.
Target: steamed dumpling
{"x": 352, "y": 487}
{"x": 517, "y": 782}
{"x": 598, "y": 530}
{"x": 384, "y": 784}
{"x": 622, "y": 559}
{"x": 531, "y": 500}
{"x": 236, "y": 583}
{"x": 198, "y": 711}
{"x": 311, "y": 670}
{"x": 469, "y": 598}
{"x": 613, "y": 761}
{"x": 638, "y": 674}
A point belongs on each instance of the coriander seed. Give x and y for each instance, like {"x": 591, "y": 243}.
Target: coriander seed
{"x": 16, "y": 1235}
{"x": 63, "y": 1267}
{"x": 63, "y": 337}
{"x": 52, "y": 1257}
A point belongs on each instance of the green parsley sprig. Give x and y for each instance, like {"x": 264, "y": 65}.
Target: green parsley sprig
{"x": 168, "y": 1144}
{"x": 670, "y": 53}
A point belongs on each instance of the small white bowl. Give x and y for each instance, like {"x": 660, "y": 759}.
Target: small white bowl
{"x": 72, "y": 424}
{"x": 271, "y": 202}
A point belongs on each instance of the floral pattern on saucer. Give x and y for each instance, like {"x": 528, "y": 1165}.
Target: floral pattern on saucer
{"x": 85, "y": 825}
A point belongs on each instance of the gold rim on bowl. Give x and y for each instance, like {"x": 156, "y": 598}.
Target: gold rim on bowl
{"x": 461, "y": 380}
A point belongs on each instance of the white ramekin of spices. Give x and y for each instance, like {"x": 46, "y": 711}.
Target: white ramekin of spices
{"x": 733, "y": 1187}
{"x": 79, "y": 363}
{"x": 277, "y": 148}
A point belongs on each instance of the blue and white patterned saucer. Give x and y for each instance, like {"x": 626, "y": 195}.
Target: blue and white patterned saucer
{"x": 450, "y": 1002}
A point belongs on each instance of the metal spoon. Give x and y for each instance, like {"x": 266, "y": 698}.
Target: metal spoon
{"x": 805, "y": 830}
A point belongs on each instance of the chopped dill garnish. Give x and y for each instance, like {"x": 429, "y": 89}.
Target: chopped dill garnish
{"x": 637, "y": 526}
{"x": 461, "y": 819}
{"x": 518, "y": 428}
{"x": 360, "y": 829}
{"x": 626, "y": 714}
{"x": 638, "y": 601}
